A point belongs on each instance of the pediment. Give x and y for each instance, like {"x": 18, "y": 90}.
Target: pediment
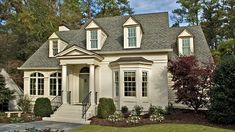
{"x": 130, "y": 21}
{"x": 74, "y": 51}
{"x": 92, "y": 24}
{"x": 185, "y": 33}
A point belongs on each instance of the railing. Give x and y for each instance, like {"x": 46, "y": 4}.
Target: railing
{"x": 56, "y": 102}
{"x": 86, "y": 103}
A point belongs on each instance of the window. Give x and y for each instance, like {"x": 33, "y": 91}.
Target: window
{"x": 55, "y": 47}
{"x": 186, "y": 46}
{"x": 129, "y": 84}
{"x": 94, "y": 39}
{"x": 132, "y": 37}
{"x": 116, "y": 83}
{"x": 55, "y": 84}
{"x": 36, "y": 84}
{"x": 144, "y": 84}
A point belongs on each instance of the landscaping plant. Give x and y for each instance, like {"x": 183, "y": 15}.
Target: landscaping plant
{"x": 138, "y": 110}
{"x": 192, "y": 81}
{"x": 133, "y": 118}
{"x": 222, "y": 100}
{"x": 42, "y": 107}
{"x": 116, "y": 117}
{"x": 156, "y": 117}
{"x": 124, "y": 110}
{"x": 25, "y": 103}
{"x": 106, "y": 107}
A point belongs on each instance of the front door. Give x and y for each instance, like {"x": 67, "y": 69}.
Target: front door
{"x": 83, "y": 85}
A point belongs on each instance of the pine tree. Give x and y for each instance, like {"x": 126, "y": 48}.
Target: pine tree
{"x": 5, "y": 94}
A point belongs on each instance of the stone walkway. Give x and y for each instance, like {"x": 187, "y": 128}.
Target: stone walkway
{"x": 68, "y": 127}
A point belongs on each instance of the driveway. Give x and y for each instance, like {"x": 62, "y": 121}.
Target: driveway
{"x": 68, "y": 127}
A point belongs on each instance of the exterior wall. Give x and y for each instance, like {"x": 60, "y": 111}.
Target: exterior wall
{"x": 46, "y": 74}
{"x": 157, "y": 82}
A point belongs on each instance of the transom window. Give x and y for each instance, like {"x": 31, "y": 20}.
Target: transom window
{"x": 129, "y": 84}
{"x": 132, "y": 36}
{"x": 55, "y": 84}
{"x": 36, "y": 84}
{"x": 116, "y": 82}
{"x": 94, "y": 39}
{"x": 186, "y": 46}
{"x": 144, "y": 83}
{"x": 55, "y": 47}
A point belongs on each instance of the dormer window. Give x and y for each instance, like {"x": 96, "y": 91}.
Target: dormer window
{"x": 186, "y": 46}
{"x": 132, "y": 33}
{"x": 55, "y": 47}
{"x": 94, "y": 39}
{"x": 132, "y": 36}
{"x": 185, "y": 43}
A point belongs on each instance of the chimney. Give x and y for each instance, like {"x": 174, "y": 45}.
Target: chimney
{"x": 63, "y": 26}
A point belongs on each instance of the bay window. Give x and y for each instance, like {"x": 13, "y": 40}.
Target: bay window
{"x": 130, "y": 83}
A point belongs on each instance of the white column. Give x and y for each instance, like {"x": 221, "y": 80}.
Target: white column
{"x": 92, "y": 83}
{"x": 64, "y": 84}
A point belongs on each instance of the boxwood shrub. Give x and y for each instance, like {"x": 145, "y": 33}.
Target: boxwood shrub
{"x": 106, "y": 107}
{"x": 42, "y": 107}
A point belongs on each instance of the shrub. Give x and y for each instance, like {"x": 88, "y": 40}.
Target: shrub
{"x": 116, "y": 117}
{"x": 25, "y": 103}
{"x": 42, "y": 107}
{"x": 138, "y": 110}
{"x": 222, "y": 108}
{"x": 156, "y": 117}
{"x": 156, "y": 110}
{"x": 169, "y": 109}
{"x": 133, "y": 118}
{"x": 124, "y": 109}
{"x": 152, "y": 109}
{"x": 106, "y": 107}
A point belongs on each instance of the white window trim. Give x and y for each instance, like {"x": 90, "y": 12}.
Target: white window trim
{"x": 51, "y": 52}
{"x": 36, "y": 83}
{"x": 147, "y": 84}
{"x": 132, "y": 37}
{"x": 97, "y": 39}
{"x": 136, "y": 83}
{"x": 57, "y": 83}
{"x": 114, "y": 83}
{"x": 180, "y": 45}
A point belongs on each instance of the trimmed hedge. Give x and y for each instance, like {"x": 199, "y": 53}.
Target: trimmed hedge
{"x": 106, "y": 107}
{"x": 42, "y": 107}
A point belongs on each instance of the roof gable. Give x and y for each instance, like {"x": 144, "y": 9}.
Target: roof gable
{"x": 54, "y": 36}
{"x": 131, "y": 21}
{"x": 92, "y": 24}
{"x": 74, "y": 51}
{"x": 185, "y": 33}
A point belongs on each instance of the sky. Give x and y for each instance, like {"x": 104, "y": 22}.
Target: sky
{"x": 151, "y": 6}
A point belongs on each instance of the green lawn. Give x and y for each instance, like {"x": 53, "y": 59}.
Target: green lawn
{"x": 153, "y": 128}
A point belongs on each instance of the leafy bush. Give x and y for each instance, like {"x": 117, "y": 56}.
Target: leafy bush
{"x": 116, "y": 117}
{"x": 169, "y": 109}
{"x": 156, "y": 117}
{"x": 16, "y": 120}
{"x": 156, "y": 110}
{"x": 25, "y": 103}
{"x": 138, "y": 110}
{"x": 222, "y": 108}
{"x": 124, "y": 109}
{"x": 106, "y": 107}
{"x": 133, "y": 118}
{"x": 42, "y": 107}
{"x": 2, "y": 114}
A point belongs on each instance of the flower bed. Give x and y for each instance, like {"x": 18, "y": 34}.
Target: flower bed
{"x": 25, "y": 117}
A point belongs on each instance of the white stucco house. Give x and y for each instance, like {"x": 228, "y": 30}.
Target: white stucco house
{"x": 123, "y": 57}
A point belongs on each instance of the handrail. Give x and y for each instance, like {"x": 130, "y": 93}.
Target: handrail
{"x": 86, "y": 103}
{"x": 56, "y": 102}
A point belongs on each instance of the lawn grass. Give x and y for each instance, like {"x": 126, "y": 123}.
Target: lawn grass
{"x": 153, "y": 128}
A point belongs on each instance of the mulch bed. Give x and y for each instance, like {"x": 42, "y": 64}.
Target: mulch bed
{"x": 179, "y": 116}
{"x": 26, "y": 117}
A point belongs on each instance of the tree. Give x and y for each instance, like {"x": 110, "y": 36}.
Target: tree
{"x": 189, "y": 11}
{"x": 229, "y": 21}
{"x": 227, "y": 47}
{"x": 192, "y": 81}
{"x": 5, "y": 94}
{"x": 222, "y": 99}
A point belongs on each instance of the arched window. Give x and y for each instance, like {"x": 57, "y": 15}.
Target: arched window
{"x": 55, "y": 84}
{"x": 36, "y": 84}
{"x": 85, "y": 70}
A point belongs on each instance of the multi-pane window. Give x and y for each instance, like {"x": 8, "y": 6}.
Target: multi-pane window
{"x": 116, "y": 82}
{"x": 94, "y": 39}
{"x": 129, "y": 84}
{"x": 144, "y": 84}
{"x": 186, "y": 46}
{"x": 55, "y": 84}
{"x": 132, "y": 36}
{"x": 55, "y": 47}
{"x": 36, "y": 84}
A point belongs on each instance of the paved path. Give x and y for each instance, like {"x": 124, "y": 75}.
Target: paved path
{"x": 38, "y": 124}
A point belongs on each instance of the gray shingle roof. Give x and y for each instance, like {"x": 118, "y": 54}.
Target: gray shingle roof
{"x": 157, "y": 35}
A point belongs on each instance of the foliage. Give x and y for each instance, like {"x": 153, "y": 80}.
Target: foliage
{"x": 42, "y": 107}
{"x": 124, "y": 109}
{"x": 222, "y": 108}
{"x": 227, "y": 47}
{"x": 5, "y": 94}
{"x": 106, "y": 107}
{"x": 138, "y": 110}
{"x": 192, "y": 81}
{"x": 133, "y": 118}
{"x": 169, "y": 109}
{"x": 116, "y": 117}
{"x": 25, "y": 103}
{"x": 33, "y": 129}
{"x": 16, "y": 120}
{"x": 155, "y": 110}
{"x": 2, "y": 114}
{"x": 156, "y": 117}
